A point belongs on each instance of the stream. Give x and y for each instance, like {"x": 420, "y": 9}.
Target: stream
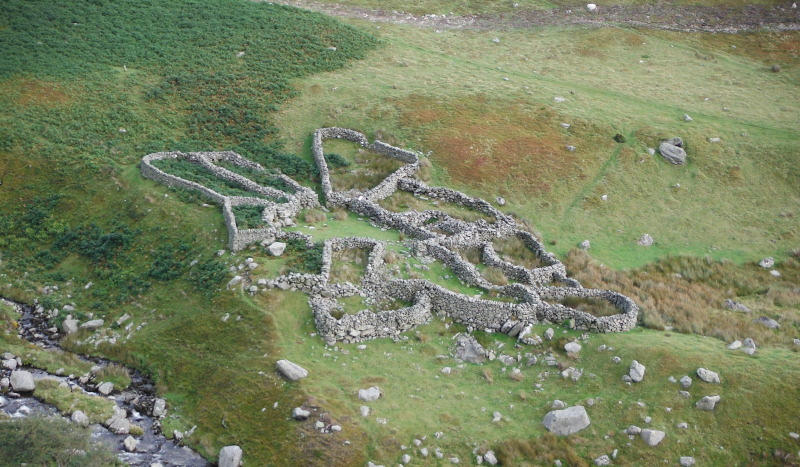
{"x": 136, "y": 401}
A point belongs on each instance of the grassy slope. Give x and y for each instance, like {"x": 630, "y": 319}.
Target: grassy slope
{"x": 446, "y": 92}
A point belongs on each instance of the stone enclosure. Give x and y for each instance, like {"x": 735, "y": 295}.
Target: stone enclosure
{"x": 531, "y": 296}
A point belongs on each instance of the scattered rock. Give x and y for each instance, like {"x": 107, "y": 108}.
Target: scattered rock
{"x": 616, "y": 359}
{"x": 500, "y": 201}
{"x": 10, "y": 364}
{"x": 645, "y": 240}
{"x": 734, "y": 345}
{"x": 673, "y": 154}
{"x": 767, "y": 262}
{"x": 775, "y": 273}
{"x": 69, "y": 326}
{"x": 636, "y": 371}
{"x": 364, "y": 411}
{"x": 490, "y": 458}
{"x": 619, "y": 137}
{"x": 130, "y": 444}
{"x": 682, "y": 425}
{"x": 684, "y": 394}
{"x": 557, "y": 404}
{"x": 585, "y": 245}
{"x": 768, "y": 322}
{"x": 22, "y": 381}
{"x": 591, "y": 6}
{"x": 92, "y": 324}
{"x": 633, "y": 430}
{"x": 602, "y": 460}
{"x": 736, "y": 306}
{"x": 299, "y": 413}
{"x": 687, "y": 118}
{"x": 686, "y": 381}
{"x": 794, "y": 435}
{"x": 548, "y": 335}
{"x": 687, "y": 461}
{"x": 776, "y": 68}
{"x": 568, "y": 421}
{"x": 572, "y": 347}
{"x": 369, "y": 394}
{"x": 105, "y": 388}
{"x": 559, "y": 99}
{"x": 708, "y": 376}
{"x": 79, "y": 418}
{"x": 277, "y": 248}
{"x": 707, "y": 402}
{"x": 230, "y": 456}
{"x": 469, "y": 349}
{"x": 496, "y": 40}
{"x": 291, "y": 371}
{"x": 159, "y": 407}
{"x": 652, "y": 437}
{"x": 714, "y": 140}
{"x": 234, "y": 281}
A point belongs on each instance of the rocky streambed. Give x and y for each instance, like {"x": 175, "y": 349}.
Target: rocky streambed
{"x": 137, "y": 409}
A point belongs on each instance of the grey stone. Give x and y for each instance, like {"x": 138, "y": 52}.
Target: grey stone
{"x": 636, "y": 371}
{"x": 682, "y": 425}
{"x": 118, "y": 425}
{"x": 406, "y": 458}
{"x": 674, "y": 154}
{"x": 92, "y": 324}
{"x": 585, "y": 245}
{"x": 557, "y": 404}
{"x": 299, "y": 413}
{"x": 684, "y": 394}
{"x": 645, "y": 240}
{"x": 687, "y": 461}
{"x": 652, "y": 437}
{"x": 469, "y": 350}
{"x": 500, "y": 201}
{"x": 686, "y": 381}
{"x": 768, "y": 322}
{"x": 708, "y": 376}
{"x": 749, "y": 343}
{"x": 79, "y": 418}
{"x": 572, "y": 347}
{"x": 364, "y": 411}
{"x": 234, "y": 281}
{"x": 10, "y": 364}
{"x": 734, "y": 345}
{"x": 230, "y": 456}
{"x": 633, "y": 430}
{"x": 105, "y": 388}
{"x": 130, "y": 444}
{"x": 22, "y": 381}
{"x": 490, "y": 458}
{"x": 602, "y": 460}
{"x": 277, "y": 248}
{"x": 616, "y": 359}
{"x": 159, "y": 407}
{"x": 370, "y": 394}
{"x": 291, "y": 371}
{"x": 707, "y": 402}
{"x": 714, "y": 140}
{"x": 687, "y": 118}
{"x": 568, "y": 421}
{"x": 549, "y": 333}
{"x": 4, "y": 383}
{"x": 736, "y": 306}
{"x": 767, "y": 262}
{"x": 69, "y": 326}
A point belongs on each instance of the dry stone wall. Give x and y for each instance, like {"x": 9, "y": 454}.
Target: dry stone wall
{"x": 432, "y": 234}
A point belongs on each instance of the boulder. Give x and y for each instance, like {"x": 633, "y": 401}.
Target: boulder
{"x": 585, "y": 245}
{"x": 750, "y": 343}
{"x": 291, "y": 371}
{"x": 767, "y": 262}
{"x": 686, "y": 461}
{"x": 652, "y": 437}
{"x": 159, "y": 407}
{"x": 500, "y": 201}
{"x": 364, "y": 411}
{"x": 548, "y": 335}
{"x": 633, "y": 430}
{"x": 645, "y": 240}
{"x": 69, "y": 326}
{"x": 10, "y": 364}
{"x": 92, "y": 324}
{"x": 299, "y": 413}
{"x": 490, "y": 458}
{"x": 686, "y": 381}
{"x": 736, "y": 306}
{"x": 230, "y": 456}
{"x": 277, "y": 248}
{"x": 572, "y": 347}
{"x": 734, "y": 345}
{"x": 369, "y": 394}
{"x": 118, "y": 425}
{"x": 568, "y": 421}
{"x": 708, "y": 376}
{"x": 557, "y": 404}
{"x": 636, "y": 371}
{"x": 22, "y": 381}
{"x": 707, "y": 402}
{"x": 234, "y": 281}
{"x": 130, "y": 444}
{"x": 469, "y": 350}
{"x": 768, "y": 322}
{"x": 602, "y": 460}
{"x": 673, "y": 154}
{"x": 105, "y": 388}
{"x": 79, "y": 418}
{"x": 591, "y": 6}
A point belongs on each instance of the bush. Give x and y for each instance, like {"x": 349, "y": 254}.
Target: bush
{"x": 205, "y": 276}
{"x": 336, "y": 161}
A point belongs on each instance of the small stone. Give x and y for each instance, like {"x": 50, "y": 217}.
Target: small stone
{"x": 652, "y": 437}
{"x": 548, "y": 335}
{"x": 559, "y": 99}
{"x": 645, "y": 240}
{"x": 369, "y": 394}
{"x": 636, "y": 371}
{"x": 585, "y": 245}
{"x": 602, "y": 460}
{"x": 794, "y": 435}
{"x": 682, "y": 425}
{"x": 616, "y": 359}
{"x": 277, "y": 248}
{"x": 230, "y": 456}
{"x": 69, "y": 326}
{"x": 92, "y": 324}
{"x": 708, "y": 376}
{"x": 777, "y": 68}
{"x": 364, "y": 410}
{"x": 130, "y": 443}
{"x": 105, "y": 388}
{"x": 768, "y": 322}
{"x": 707, "y": 402}
{"x": 591, "y": 7}
{"x": 687, "y": 118}
{"x": 557, "y": 404}
{"x": 633, "y": 430}
{"x": 673, "y": 154}
{"x": 734, "y": 345}
{"x": 687, "y": 461}
{"x": 299, "y": 413}
{"x": 572, "y": 347}
{"x": 767, "y": 262}
{"x": 79, "y": 418}
{"x": 291, "y": 371}
{"x": 714, "y": 140}
{"x": 686, "y": 381}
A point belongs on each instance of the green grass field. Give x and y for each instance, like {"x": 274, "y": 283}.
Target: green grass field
{"x": 88, "y": 88}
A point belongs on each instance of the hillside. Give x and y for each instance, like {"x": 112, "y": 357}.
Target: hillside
{"x": 556, "y": 116}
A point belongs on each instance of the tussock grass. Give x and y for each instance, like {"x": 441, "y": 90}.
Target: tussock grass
{"x": 98, "y": 409}
{"x": 348, "y": 265}
{"x": 116, "y": 374}
{"x": 314, "y": 216}
{"x": 514, "y": 251}
{"x": 401, "y": 201}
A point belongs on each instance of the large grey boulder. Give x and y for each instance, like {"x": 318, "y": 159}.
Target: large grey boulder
{"x": 277, "y": 248}
{"x": 291, "y": 371}
{"x": 22, "y": 381}
{"x": 708, "y": 376}
{"x": 105, "y": 388}
{"x": 79, "y": 418}
{"x": 299, "y": 413}
{"x": 768, "y": 322}
{"x": 572, "y": 347}
{"x": 707, "y": 402}
{"x": 568, "y": 421}
{"x": 652, "y": 437}
{"x": 686, "y": 381}
{"x": 636, "y": 371}
{"x": 118, "y": 425}
{"x": 672, "y": 153}
{"x": 159, "y": 407}
{"x": 469, "y": 350}
{"x": 370, "y": 394}
{"x": 130, "y": 444}
{"x": 93, "y": 324}
{"x": 230, "y": 456}
{"x": 69, "y": 326}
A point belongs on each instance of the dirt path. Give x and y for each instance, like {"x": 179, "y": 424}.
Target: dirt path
{"x": 677, "y": 18}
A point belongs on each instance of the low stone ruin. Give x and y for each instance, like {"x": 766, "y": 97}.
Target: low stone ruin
{"x": 431, "y": 234}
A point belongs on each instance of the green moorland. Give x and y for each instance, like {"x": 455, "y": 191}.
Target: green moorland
{"x": 87, "y": 88}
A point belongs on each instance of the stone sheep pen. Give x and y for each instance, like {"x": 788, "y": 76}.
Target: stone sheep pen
{"x": 431, "y": 234}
